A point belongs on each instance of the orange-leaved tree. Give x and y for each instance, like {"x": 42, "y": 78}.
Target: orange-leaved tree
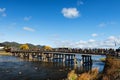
{"x": 24, "y": 47}
{"x": 47, "y": 48}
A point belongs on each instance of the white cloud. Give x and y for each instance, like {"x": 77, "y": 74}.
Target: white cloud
{"x": 27, "y": 18}
{"x": 81, "y": 42}
{"x": 28, "y": 29}
{"x": 94, "y": 35}
{"x": 70, "y": 12}
{"x": 112, "y": 38}
{"x": 107, "y": 44}
{"x": 80, "y": 2}
{"x": 110, "y": 42}
{"x": 91, "y": 40}
{"x": 2, "y": 34}
{"x": 2, "y": 12}
{"x": 104, "y": 24}
{"x": 112, "y": 22}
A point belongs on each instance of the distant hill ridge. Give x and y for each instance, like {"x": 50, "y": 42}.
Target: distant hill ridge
{"x": 17, "y": 45}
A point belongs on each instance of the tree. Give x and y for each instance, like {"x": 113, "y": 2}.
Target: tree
{"x": 24, "y": 47}
{"x": 47, "y": 48}
{"x": 7, "y": 48}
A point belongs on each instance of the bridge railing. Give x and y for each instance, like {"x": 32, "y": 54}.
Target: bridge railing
{"x": 79, "y": 51}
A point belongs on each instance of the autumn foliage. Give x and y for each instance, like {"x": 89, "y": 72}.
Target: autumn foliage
{"x": 24, "y": 47}
{"x": 47, "y": 48}
{"x": 91, "y": 75}
{"x": 112, "y": 69}
{"x": 72, "y": 75}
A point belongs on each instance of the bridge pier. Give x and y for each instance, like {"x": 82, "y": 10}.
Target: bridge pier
{"x": 87, "y": 59}
{"x": 75, "y": 60}
{"x": 51, "y": 57}
{"x": 63, "y": 58}
{"x": 68, "y": 58}
{"x": 26, "y": 55}
{"x": 30, "y": 56}
{"x": 21, "y": 55}
{"x": 17, "y": 54}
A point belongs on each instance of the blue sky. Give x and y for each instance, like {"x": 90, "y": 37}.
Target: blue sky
{"x": 61, "y": 23}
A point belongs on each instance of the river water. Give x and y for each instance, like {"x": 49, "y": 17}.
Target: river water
{"x": 14, "y": 68}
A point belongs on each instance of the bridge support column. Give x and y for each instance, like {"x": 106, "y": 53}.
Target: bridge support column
{"x": 21, "y": 55}
{"x": 57, "y": 57}
{"x": 45, "y": 59}
{"x": 16, "y": 54}
{"x": 75, "y": 61}
{"x": 90, "y": 60}
{"x": 51, "y": 57}
{"x": 30, "y": 56}
{"x": 86, "y": 59}
{"x": 63, "y": 58}
{"x": 13, "y": 54}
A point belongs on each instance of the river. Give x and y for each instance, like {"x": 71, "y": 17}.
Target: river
{"x": 14, "y": 68}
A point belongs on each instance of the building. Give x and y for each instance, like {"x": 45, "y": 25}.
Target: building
{"x": 2, "y": 46}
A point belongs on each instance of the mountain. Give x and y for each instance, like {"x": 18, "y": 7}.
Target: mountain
{"x": 17, "y": 45}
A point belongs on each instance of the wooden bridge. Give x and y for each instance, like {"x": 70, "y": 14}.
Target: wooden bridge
{"x": 63, "y": 55}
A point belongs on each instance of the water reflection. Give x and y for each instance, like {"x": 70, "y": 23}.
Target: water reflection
{"x": 13, "y": 68}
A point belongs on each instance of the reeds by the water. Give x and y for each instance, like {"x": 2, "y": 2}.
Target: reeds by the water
{"x": 112, "y": 69}
{"x": 91, "y": 75}
{"x": 111, "y": 72}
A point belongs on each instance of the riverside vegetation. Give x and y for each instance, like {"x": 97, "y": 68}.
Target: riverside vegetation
{"x": 111, "y": 72}
{"x": 112, "y": 69}
{"x": 4, "y": 53}
{"x": 91, "y": 75}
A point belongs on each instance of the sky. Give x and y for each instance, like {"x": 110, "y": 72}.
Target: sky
{"x": 61, "y": 23}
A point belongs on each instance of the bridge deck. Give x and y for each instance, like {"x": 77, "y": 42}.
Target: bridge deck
{"x": 56, "y": 52}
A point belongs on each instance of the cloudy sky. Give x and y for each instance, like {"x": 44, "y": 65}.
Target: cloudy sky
{"x": 61, "y": 23}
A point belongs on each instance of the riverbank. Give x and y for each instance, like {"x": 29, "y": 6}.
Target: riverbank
{"x": 3, "y": 53}
{"x": 112, "y": 69}
{"x": 90, "y": 75}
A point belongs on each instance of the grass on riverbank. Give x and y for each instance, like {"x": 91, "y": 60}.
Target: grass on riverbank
{"x": 103, "y": 59}
{"x": 91, "y": 75}
{"x": 112, "y": 69}
{"x": 4, "y": 53}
